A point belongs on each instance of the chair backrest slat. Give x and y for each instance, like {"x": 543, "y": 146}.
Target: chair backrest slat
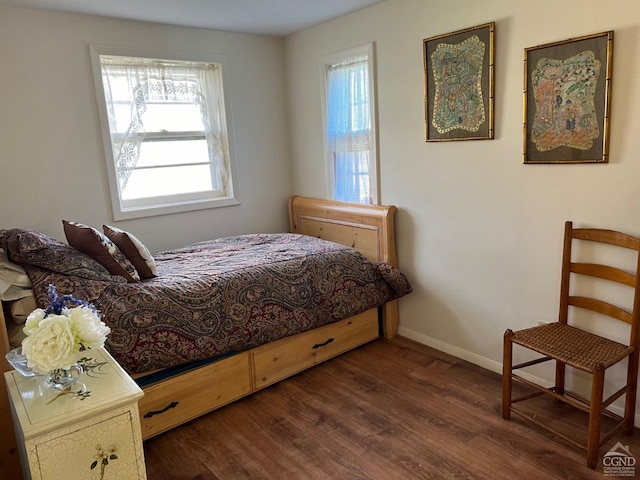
{"x": 605, "y": 272}
{"x": 607, "y": 236}
{"x": 604, "y": 308}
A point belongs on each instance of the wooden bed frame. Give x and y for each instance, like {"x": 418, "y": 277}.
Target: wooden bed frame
{"x": 181, "y": 398}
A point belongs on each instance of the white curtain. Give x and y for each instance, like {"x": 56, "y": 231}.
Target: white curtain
{"x": 133, "y": 82}
{"x": 349, "y": 130}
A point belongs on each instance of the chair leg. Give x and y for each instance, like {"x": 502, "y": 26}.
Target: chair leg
{"x": 507, "y": 363}
{"x": 630, "y": 400}
{"x": 595, "y": 416}
{"x": 560, "y": 373}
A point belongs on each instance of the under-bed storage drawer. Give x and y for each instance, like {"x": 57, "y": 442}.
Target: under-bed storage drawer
{"x": 283, "y": 358}
{"x": 182, "y": 398}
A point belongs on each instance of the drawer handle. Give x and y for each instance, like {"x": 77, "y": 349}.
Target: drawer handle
{"x": 318, "y": 345}
{"x": 158, "y": 412}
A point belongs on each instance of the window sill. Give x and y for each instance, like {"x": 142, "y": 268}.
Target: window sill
{"x": 169, "y": 208}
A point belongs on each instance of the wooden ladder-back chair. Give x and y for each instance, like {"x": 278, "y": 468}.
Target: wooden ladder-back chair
{"x": 569, "y": 345}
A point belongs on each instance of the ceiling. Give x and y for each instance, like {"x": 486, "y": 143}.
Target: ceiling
{"x": 266, "y": 17}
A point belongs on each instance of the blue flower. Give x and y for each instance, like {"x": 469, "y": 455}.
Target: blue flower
{"x": 58, "y": 303}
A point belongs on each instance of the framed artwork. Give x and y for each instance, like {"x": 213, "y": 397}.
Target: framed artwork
{"x": 458, "y": 84}
{"x": 567, "y": 90}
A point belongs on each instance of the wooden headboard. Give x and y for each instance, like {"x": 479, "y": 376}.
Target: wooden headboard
{"x": 368, "y": 228}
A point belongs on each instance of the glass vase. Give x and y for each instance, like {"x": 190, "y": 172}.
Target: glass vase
{"x": 63, "y": 378}
{"x": 19, "y": 361}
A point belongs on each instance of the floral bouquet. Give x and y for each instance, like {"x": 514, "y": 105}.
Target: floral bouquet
{"x": 57, "y": 334}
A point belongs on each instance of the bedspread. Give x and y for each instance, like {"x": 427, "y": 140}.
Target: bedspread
{"x": 228, "y": 295}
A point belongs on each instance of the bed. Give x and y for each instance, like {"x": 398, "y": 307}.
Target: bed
{"x": 285, "y": 314}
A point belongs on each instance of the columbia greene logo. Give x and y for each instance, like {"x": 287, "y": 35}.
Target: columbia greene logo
{"x": 619, "y": 461}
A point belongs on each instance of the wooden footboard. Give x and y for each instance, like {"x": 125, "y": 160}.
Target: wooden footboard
{"x": 368, "y": 228}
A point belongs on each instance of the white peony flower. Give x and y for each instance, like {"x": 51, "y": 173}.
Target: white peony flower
{"x": 88, "y": 329}
{"x": 55, "y": 338}
{"x": 33, "y": 320}
{"x": 51, "y": 345}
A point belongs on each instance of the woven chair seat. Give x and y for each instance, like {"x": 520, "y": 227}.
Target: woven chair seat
{"x": 570, "y": 345}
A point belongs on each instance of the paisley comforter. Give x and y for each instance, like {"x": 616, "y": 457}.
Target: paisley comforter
{"x": 226, "y": 295}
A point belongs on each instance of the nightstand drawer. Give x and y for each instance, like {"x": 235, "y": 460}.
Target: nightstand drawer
{"x": 70, "y": 452}
{"x": 167, "y": 404}
{"x": 288, "y": 356}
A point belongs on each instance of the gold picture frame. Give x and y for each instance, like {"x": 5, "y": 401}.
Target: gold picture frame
{"x": 567, "y": 91}
{"x": 459, "y": 84}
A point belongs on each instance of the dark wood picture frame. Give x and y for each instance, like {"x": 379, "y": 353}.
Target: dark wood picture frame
{"x": 459, "y": 84}
{"x": 567, "y": 91}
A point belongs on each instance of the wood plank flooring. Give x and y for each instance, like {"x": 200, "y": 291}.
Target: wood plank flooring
{"x": 392, "y": 409}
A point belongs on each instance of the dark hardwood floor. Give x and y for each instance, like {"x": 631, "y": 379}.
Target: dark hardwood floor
{"x": 392, "y": 409}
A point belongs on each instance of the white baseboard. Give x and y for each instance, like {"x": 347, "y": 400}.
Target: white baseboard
{"x": 481, "y": 361}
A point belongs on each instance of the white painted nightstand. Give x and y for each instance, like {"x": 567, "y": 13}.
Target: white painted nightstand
{"x": 62, "y": 435}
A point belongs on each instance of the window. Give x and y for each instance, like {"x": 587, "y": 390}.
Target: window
{"x": 166, "y": 133}
{"x": 350, "y": 140}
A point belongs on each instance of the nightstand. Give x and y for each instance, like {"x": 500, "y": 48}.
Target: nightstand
{"x": 91, "y": 431}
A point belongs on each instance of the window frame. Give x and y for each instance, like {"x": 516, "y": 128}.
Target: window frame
{"x": 165, "y": 204}
{"x": 326, "y": 61}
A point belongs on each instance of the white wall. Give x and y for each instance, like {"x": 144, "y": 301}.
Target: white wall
{"x": 51, "y": 155}
{"x": 479, "y": 233}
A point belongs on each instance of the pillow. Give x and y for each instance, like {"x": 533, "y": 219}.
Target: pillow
{"x": 134, "y": 250}
{"x": 20, "y": 309}
{"x": 29, "y": 247}
{"x": 90, "y": 241}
